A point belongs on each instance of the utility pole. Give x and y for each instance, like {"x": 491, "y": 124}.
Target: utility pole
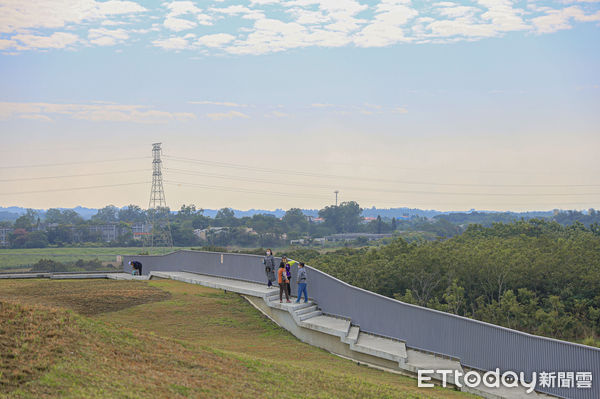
{"x": 158, "y": 212}
{"x": 336, "y": 197}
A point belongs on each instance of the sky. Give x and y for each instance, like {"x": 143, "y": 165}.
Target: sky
{"x": 488, "y": 104}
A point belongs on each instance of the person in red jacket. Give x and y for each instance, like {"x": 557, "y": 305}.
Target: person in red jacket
{"x": 283, "y": 283}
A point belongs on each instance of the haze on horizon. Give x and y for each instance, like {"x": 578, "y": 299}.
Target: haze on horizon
{"x": 489, "y": 104}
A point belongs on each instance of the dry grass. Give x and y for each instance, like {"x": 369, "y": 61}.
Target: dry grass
{"x": 31, "y": 339}
{"x": 198, "y": 342}
{"x": 87, "y": 297}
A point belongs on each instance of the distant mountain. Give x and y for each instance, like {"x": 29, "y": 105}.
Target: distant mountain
{"x": 13, "y": 212}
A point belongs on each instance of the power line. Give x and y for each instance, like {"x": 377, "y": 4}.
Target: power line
{"x": 242, "y": 190}
{"x": 374, "y": 189}
{"x": 81, "y": 175}
{"x": 69, "y": 163}
{"x": 74, "y": 188}
{"x": 333, "y": 176}
{"x": 327, "y": 197}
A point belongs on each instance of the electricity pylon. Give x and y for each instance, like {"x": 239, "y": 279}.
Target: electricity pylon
{"x": 158, "y": 212}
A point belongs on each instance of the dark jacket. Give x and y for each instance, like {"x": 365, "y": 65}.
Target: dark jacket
{"x": 301, "y": 275}
{"x": 269, "y": 263}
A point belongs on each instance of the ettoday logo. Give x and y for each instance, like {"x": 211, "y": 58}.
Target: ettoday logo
{"x": 507, "y": 379}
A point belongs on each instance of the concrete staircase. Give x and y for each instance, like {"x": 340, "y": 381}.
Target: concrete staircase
{"x": 338, "y": 335}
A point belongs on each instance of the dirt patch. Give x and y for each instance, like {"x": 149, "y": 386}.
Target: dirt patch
{"x": 31, "y": 340}
{"x": 87, "y": 297}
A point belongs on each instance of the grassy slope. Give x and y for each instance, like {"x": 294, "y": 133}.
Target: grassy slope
{"x": 179, "y": 340}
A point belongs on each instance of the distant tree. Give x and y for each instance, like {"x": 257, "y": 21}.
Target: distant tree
{"x": 36, "y": 239}
{"x": 108, "y": 214}
{"x": 394, "y": 224}
{"x": 26, "y": 221}
{"x": 189, "y": 210}
{"x": 344, "y": 218}
{"x": 47, "y": 265}
{"x": 225, "y": 217}
{"x": 18, "y": 238}
{"x": 295, "y": 220}
{"x": 60, "y": 235}
{"x": 53, "y": 215}
{"x": 132, "y": 214}
{"x": 67, "y": 216}
{"x": 183, "y": 235}
{"x": 200, "y": 221}
{"x": 161, "y": 212}
{"x": 266, "y": 224}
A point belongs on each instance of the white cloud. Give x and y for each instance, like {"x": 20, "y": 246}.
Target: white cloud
{"x": 276, "y": 114}
{"x": 91, "y": 112}
{"x": 17, "y": 15}
{"x": 55, "y": 40}
{"x": 503, "y": 16}
{"x": 226, "y": 115}
{"x": 388, "y": 25}
{"x": 177, "y": 9}
{"x": 172, "y": 43}
{"x": 268, "y": 26}
{"x": 322, "y": 105}
{"x": 37, "y": 117}
{"x": 6, "y": 44}
{"x": 556, "y": 20}
{"x": 107, "y": 37}
{"x": 263, "y": 2}
{"x": 216, "y": 40}
{"x": 179, "y": 24}
{"x": 239, "y": 10}
{"x": 219, "y": 103}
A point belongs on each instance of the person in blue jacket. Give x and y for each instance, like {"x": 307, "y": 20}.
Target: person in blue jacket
{"x": 302, "y": 283}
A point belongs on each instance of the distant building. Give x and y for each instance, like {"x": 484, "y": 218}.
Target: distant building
{"x": 367, "y": 219}
{"x": 313, "y": 219}
{"x": 139, "y": 230}
{"x": 203, "y": 233}
{"x": 4, "y": 233}
{"x": 107, "y": 232}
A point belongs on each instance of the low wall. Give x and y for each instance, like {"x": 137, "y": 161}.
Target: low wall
{"x": 478, "y": 345}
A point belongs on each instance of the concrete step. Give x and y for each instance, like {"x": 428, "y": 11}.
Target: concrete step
{"x": 241, "y": 287}
{"x": 375, "y": 345}
{"x": 328, "y": 324}
{"x": 307, "y": 309}
{"x": 312, "y": 314}
{"x": 352, "y": 335}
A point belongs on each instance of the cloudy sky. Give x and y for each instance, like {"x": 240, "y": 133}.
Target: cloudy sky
{"x": 488, "y": 104}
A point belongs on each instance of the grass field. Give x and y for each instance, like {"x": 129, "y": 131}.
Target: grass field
{"x": 166, "y": 339}
{"x": 22, "y": 259}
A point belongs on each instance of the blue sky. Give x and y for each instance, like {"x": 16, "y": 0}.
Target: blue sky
{"x": 489, "y": 104}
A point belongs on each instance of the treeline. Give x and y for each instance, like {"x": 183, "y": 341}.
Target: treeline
{"x": 535, "y": 276}
{"x": 113, "y": 226}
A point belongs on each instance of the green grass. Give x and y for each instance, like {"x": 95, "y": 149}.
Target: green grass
{"x": 175, "y": 340}
{"x": 22, "y": 259}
